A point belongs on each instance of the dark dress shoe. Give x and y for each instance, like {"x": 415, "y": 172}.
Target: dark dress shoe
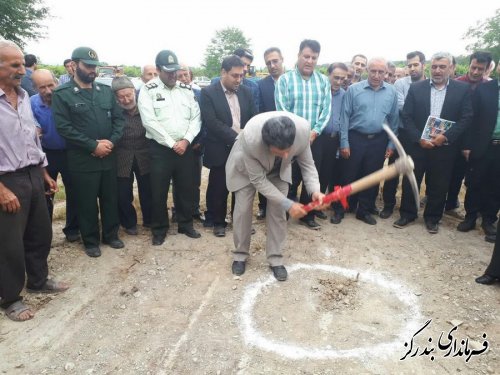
{"x": 491, "y": 239}
{"x": 199, "y": 216}
{"x": 238, "y": 268}
{"x": 386, "y": 212}
{"x": 280, "y": 272}
{"x": 487, "y": 279}
{"x": 402, "y": 222}
{"x": 219, "y": 231}
{"x": 158, "y": 239}
{"x": 374, "y": 211}
{"x": 489, "y": 228}
{"x": 466, "y": 225}
{"x": 432, "y": 228}
{"x": 190, "y": 232}
{"x": 367, "y": 218}
{"x": 132, "y": 231}
{"x": 115, "y": 243}
{"x": 336, "y": 218}
{"x": 320, "y": 215}
{"x": 72, "y": 237}
{"x": 261, "y": 214}
{"x": 93, "y": 251}
{"x": 310, "y": 223}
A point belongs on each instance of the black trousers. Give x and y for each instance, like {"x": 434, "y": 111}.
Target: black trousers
{"x": 167, "y": 165}
{"x": 437, "y": 165}
{"x": 216, "y": 197}
{"x": 25, "y": 236}
{"x": 90, "y": 189}
{"x": 494, "y": 266}
{"x": 483, "y": 186}
{"x": 323, "y": 150}
{"x": 126, "y": 209}
{"x": 198, "y": 164}
{"x": 58, "y": 164}
{"x": 367, "y": 156}
{"x": 390, "y": 186}
{"x": 457, "y": 177}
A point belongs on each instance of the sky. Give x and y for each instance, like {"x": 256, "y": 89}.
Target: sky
{"x": 132, "y": 33}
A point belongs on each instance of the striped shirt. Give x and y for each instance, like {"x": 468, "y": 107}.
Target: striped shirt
{"x": 310, "y": 99}
{"x": 437, "y": 99}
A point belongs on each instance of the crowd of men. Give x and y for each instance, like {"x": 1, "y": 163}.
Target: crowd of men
{"x": 270, "y": 136}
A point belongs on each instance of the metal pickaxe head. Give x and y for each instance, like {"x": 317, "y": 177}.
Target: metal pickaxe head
{"x": 404, "y": 164}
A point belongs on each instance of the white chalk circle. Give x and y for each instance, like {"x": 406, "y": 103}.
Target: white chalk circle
{"x": 409, "y": 305}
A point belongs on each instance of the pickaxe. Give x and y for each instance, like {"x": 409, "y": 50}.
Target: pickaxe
{"x": 402, "y": 165}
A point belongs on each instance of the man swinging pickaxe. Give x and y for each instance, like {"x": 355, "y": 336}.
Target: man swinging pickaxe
{"x": 403, "y": 165}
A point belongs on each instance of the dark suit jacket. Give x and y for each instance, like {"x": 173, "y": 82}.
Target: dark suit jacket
{"x": 217, "y": 122}
{"x": 457, "y": 107}
{"x": 266, "y": 90}
{"x": 485, "y": 105}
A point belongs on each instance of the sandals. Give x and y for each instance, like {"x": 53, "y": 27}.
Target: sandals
{"x": 16, "y": 309}
{"x": 50, "y": 286}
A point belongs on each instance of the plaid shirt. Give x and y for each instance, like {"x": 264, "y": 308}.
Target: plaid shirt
{"x": 310, "y": 99}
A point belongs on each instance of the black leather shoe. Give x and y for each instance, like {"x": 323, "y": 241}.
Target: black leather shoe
{"x": 132, "y": 231}
{"x": 190, "y": 232}
{"x": 491, "y": 239}
{"x": 489, "y": 228}
{"x": 310, "y": 223}
{"x": 72, "y": 237}
{"x": 432, "y": 228}
{"x": 158, "y": 239}
{"x": 402, "y": 222}
{"x": 219, "y": 231}
{"x": 320, "y": 215}
{"x": 280, "y": 272}
{"x": 386, "y": 213}
{"x": 367, "y": 218}
{"x": 115, "y": 243}
{"x": 487, "y": 279}
{"x": 238, "y": 268}
{"x": 93, "y": 251}
{"x": 261, "y": 214}
{"x": 466, "y": 225}
{"x": 374, "y": 211}
{"x": 336, "y": 218}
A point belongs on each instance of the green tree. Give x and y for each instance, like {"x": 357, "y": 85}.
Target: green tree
{"x": 20, "y": 20}
{"x": 223, "y": 44}
{"x": 485, "y": 36}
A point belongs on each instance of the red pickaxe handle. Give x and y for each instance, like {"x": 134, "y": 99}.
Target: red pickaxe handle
{"x": 339, "y": 194}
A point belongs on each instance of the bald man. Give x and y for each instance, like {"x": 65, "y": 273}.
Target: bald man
{"x": 54, "y": 147}
{"x": 25, "y": 230}
{"x": 148, "y": 72}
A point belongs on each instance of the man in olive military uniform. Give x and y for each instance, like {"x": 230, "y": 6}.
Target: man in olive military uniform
{"x": 88, "y": 117}
{"x": 171, "y": 117}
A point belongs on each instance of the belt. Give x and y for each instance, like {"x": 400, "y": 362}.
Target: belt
{"x": 331, "y": 135}
{"x": 495, "y": 142}
{"x": 368, "y": 136}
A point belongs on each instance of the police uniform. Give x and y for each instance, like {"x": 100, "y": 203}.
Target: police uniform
{"x": 170, "y": 115}
{"x": 82, "y": 117}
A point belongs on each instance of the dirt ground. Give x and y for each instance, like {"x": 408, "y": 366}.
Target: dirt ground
{"x": 355, "y": 295}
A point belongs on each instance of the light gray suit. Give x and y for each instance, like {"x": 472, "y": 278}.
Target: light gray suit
{"x": 250, "y": 168}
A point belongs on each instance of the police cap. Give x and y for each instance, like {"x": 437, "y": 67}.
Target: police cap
{"x": 167, "y": 61}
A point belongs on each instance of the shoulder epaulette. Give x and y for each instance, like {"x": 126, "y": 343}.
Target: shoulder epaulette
{"x": 151, "y": 85}
{"x": 184, "y": 86}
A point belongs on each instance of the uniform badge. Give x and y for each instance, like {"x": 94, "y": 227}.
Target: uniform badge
{"x": 151, "y": 85}
{"x": 93, "y": 55}
{"x": 97, "y": 88}
{"x": 76, "y": 90}
{"x": 171, "y": 59}
{"x": 159, "y": 98}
